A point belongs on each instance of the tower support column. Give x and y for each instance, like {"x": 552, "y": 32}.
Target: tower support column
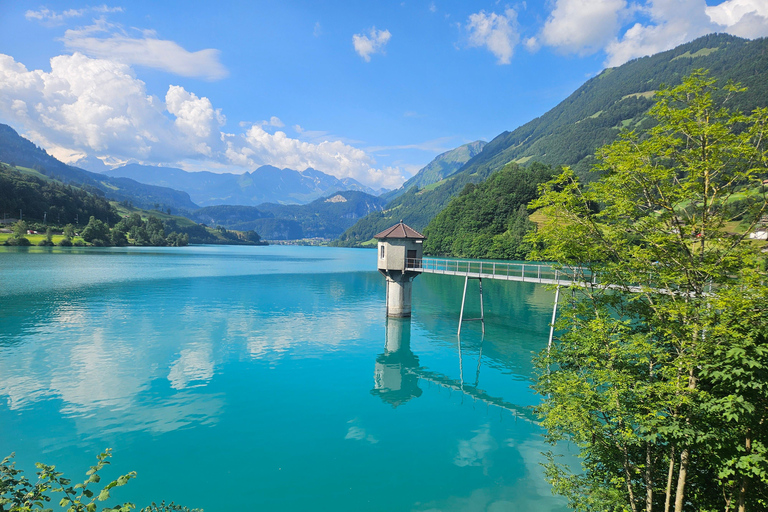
{"x": 399, "y": 286}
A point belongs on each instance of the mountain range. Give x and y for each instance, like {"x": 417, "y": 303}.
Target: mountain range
{"x": 267, "y": 184}
{"x": 594, "y": 115}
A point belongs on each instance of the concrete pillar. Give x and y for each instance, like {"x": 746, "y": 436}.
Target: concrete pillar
{"x": 399, "y": 295}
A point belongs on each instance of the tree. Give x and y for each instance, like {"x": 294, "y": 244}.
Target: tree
{"x": 96, "y": 232}
{"x": 19, "y": 229}
{"x": 660, "y": 374}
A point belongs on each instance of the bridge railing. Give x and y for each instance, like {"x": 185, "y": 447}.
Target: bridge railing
{"x": 500, "y": 270}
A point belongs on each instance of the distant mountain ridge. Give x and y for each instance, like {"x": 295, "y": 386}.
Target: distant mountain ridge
{"x": 267, "y": 184}
{"x": 326, "y": 217}
{"x": 594, "y": 115}
{"x": 441, "y": 167}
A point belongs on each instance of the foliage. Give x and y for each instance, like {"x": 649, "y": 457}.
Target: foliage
{"x": 20, "y": 151}
{"x": 19, "y": 494}
{"x": 488, "y": 220}
{"x": 170, "y": 507}
{"x": 660, "y": 373}
{"x": 37, "y": 196}
{"x": 415, "y": 207}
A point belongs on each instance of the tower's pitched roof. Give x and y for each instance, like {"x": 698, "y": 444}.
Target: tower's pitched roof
{"x": 400, "y": 230}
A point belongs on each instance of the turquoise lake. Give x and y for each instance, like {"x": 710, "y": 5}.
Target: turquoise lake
{"x": 269, "y": 378}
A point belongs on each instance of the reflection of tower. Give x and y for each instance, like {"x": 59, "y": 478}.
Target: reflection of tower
{"x": 394, "y": 382}
{"x": 400, "y": 249}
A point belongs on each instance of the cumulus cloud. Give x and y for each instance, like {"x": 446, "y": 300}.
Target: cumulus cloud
{"x": 109, "y": 41}
{"x": 258, "y": 146}
{"x": 650, "y": 26}
{"x": 565, "y": 27}
{"x": 374, "y": 42}
{"x": 743, "y": 18}
{"x": 97, "y": 108}
{"x": 497, "y": 32}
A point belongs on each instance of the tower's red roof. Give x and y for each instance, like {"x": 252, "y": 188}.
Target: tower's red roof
{"x": 400, "y": 230}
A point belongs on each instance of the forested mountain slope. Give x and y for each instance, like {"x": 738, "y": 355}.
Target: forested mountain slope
{"x": 18, "y": 151}
{"x": 592, "y": 116}
{"x": 441, "y": 167}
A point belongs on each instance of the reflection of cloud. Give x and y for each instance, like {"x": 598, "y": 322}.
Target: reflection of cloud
{"x": 96, "y": 375}
{"x": 359, "y": 434}
{"x": 473, "y": 452}
{"x": 193, "y": 364}
{"x": 156, "y": 415}
{"x": 270, "y": 338}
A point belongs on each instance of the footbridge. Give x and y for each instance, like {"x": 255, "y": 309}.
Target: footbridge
{"x": 538, "y": 273}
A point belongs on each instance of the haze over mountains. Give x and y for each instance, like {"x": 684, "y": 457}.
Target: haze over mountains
{"x": 267, "y": 184}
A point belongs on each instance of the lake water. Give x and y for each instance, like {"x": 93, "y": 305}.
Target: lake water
{"x": 268, "y": 378}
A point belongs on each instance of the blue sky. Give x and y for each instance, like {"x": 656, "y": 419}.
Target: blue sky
{"x": 371, "y": 90}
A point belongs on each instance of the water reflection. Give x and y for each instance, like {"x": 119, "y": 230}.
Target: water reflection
{"x": 396, "y": 378}
{"x": 397, "y": 373}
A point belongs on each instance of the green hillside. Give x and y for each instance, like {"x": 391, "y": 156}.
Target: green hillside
{"x": 489, "y": 220}
{"x": 440, "y": 168}
{"x": 592, "y": 116}
{"x": 18, "y": 151}
{"x": 37, "y": 198}
{"x": 326, "y": 217}
{"x": 620, "y": 98}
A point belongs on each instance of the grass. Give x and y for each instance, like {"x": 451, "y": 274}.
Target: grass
{"x": 36, "y": 239}
{"x": 646, "y": 94}
{"x": 125, "y": 211}
{"x": 701, "y": 53}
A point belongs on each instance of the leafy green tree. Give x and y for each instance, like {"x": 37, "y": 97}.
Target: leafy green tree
{"x": 96, "y": 230}
{"x": 660, "y": 373}
{"x": 19, "y": 229}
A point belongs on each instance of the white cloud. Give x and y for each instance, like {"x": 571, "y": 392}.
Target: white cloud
{"x": 374, "y": 42}
{"x": 49, "y": 17}
{"x": 96, "y": 108}
{"x": 52, "y": 18}
{"x": 497, "y": 32}
{"x": 588, "y": 26}
{"x": 583, "y": 26}
{"x": 674, "y": 22}
{"x": 259, "y": 147}
{"x": 108, "y": 41}
{"x": 318, "y": 30}
{"x": 743, "y": 18}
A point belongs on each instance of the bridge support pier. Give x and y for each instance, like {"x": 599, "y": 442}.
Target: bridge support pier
{"x": 463, "y": 299}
